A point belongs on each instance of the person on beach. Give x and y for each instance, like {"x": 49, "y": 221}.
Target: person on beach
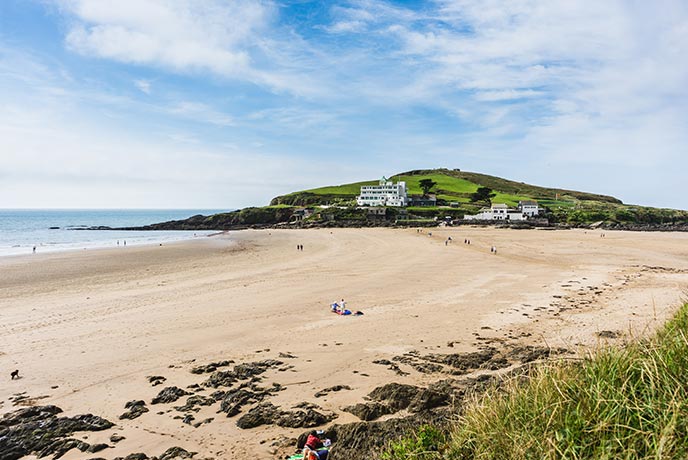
{"x": 313, "y": 443}
{"x": 34, "y": 249}
{"x": 335, "y": 307}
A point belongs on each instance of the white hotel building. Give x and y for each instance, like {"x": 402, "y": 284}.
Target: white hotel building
{"x": 385, "y": 194}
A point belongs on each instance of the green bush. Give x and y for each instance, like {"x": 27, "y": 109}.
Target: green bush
{"x": 425, "y": 444}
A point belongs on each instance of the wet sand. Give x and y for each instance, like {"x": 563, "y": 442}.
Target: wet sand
{"x": 86, "y": 328}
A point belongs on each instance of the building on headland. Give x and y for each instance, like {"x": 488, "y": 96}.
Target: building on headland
{"x": 423, "y": 200}
{"x": 384, "y": 194}
{"x": 529, "y": 208}
{"x": 499, "y": 212}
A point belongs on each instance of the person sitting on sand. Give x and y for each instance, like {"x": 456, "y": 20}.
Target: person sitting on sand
{"x": 313, "y": 443}
{"x": 335, "y": 307}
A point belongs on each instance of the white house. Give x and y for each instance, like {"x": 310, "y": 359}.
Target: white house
{"x": 384, "y": 194}
{"x": 529, "y": 208}
{"x": 498, "y": 212}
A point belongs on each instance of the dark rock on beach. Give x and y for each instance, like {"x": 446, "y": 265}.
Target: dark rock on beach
{"x": 193, "y": 401}
{"x": 136, "y": 409}
{"x": 267, "y": 413}
{"x": 240, "y": 372}
{"x": 176, "y": 452}
{"x": 333, "y": 389}
{"x": 369, "y": 411}
{"x": 38, "y": 430}
{"x": 169, "y": 395}
{"x": 212, "y": 367}
{"x": 156, "y": 379}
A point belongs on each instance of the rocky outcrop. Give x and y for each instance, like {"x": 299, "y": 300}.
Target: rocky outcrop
{"x": 267, "y": 413}
{"x": 38, "y": 430}
{"x": 240, "y": 372}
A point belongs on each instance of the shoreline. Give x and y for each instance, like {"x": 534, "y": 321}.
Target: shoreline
{"x": 96, "y": 326}
{"x": 132, "y": 241}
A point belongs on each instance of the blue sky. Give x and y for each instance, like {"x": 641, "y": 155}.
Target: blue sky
{"x": 227, "y": 103}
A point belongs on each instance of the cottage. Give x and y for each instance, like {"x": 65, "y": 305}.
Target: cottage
{"x": 529, "y": 208}
{"x": 420, "y": 200}
{"x": 498, "y": 212}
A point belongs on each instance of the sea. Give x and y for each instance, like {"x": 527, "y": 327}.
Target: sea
{"x": 52, "y": 230}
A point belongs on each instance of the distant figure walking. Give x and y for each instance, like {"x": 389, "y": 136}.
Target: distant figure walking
{"x": 14, "y": 374}
{"x": 117, "y": 242}
{"x": 125, "y": 243}
{"x": 446, "y": 242}
{"x": 34, "y": 249}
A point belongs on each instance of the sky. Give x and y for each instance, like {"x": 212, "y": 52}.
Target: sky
{"x": 228, "y": 103}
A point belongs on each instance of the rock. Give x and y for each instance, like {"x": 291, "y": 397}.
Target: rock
{"x": 244, "y": 371}
{"x": 194, "y": 401}
{"x": 608, "y": 334}
{"x": 428, "y": 399}
{"x": 332, "y": 389}
{"x": 356, "y": 441}
{"x": 212, "y": 367}
{"x": 369, "y": 411}
{"x": 176, "y": 452}
{"x": 136, "y": 456}
{"x": 240, "y": 372}
{"x": 221, "y": 379}
{"x": 116, "y": 438}
{"x": 268, "y": 414}
{"x": 168, "y": 395}
{"x": 39, "y": 431}
{"x": 234, "y": 400}
{"x": 97, "y": 448}
{"x": 136, "y": 409}
{"x": 464, "y": 362}
{"x": 286, "y": 355}
{"x": 188, "y": 419}
{"x": 398, "y": 396}
{"x": 156, "y": 379}
{"x": 262, "y": 414}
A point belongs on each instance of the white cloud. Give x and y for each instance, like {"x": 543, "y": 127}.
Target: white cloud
{"x": 143, "y": 85}
{"x": 228, "y": 39}
{"x": 200, "y": 112}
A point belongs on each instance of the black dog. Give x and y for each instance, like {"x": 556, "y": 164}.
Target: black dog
{"x": 15, "y": 374}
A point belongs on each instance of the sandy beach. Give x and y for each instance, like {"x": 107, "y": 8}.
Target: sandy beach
{"x": 87, "y": 328}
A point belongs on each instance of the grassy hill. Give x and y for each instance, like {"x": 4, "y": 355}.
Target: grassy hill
{"x": 453, "y": 186}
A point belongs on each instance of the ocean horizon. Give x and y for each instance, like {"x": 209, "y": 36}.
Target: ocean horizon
{"x": 51, "y": 230}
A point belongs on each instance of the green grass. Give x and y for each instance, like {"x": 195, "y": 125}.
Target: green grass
{"x": 345, "y": 189}
{"x": 621, "y": 403}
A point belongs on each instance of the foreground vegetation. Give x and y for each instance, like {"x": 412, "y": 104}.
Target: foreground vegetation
{"x": 619, "y": 403}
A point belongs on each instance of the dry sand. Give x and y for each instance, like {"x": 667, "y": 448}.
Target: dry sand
{"x": 86, "y": 328}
